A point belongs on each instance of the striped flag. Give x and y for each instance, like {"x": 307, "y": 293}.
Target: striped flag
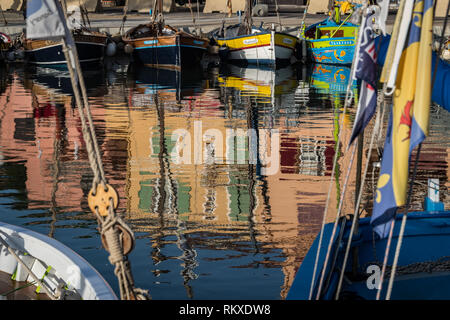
{"x": 408, "y": 123}
{"x": 366, "y": 71}
{"x": 44, "y": 20}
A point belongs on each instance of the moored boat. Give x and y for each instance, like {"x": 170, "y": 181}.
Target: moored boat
{"x": 260, "y": 46}
{"x": 421, "y": 274}
{"x": 166, "y": 48}
{"x": 331, "y": 41}
{"x": 158, "y": 45}
{"x": 5, "y": 45}
{"x": 246, "y": 44}
{"x": 90, "y": 47}
{"x": 26, "y": 255}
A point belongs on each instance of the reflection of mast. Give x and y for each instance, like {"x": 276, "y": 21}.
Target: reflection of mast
{"x": 189, "y": 254}
{"x": 55, "y": 177}
{"x": 253, "y": 147}
{"x": 337, "y": 149}
{"x": 60, "y": 133}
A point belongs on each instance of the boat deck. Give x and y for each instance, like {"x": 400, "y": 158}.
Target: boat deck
{"x": 26, "y": 293}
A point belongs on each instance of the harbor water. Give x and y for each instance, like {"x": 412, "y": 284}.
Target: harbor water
{"x": 222, "y": 172}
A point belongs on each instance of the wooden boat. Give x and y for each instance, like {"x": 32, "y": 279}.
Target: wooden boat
{"x": 331, "y": 41}
{"x": 63, "y": 272}
{"x": 158, "y": 45}
{"x": 90, "y": 47}
{"x": 5, "y": 45}
{"x": 246, "y": 44}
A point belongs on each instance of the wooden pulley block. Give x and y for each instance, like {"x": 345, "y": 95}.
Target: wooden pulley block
{"x": 100, "y": 199}
{"x": 126, "y": 240}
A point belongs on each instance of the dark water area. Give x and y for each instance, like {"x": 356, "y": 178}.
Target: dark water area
{"x": 217, "y": 213}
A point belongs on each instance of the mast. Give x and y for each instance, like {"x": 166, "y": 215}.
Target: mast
{"x": 160, "y": 6}
{"x": 157, "y": 11}
{"x": 248, "y": 15}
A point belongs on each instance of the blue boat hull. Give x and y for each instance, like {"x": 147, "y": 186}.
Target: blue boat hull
{"x": 342, "y": 55}
{"x": 53, "y": 54}
{"x": 174, "y": 56}
{"x": 423, "y": 238}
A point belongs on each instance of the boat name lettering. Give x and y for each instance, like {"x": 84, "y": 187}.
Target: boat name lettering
{"x": 198, "y": 42}
{"x": 250, "y": 41}
{"x": 341, "y": 43}
{"x": 287, "y": 41}
{"x": 150, "y": 41}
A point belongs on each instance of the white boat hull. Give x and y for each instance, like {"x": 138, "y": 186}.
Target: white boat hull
{"x": 265, "y": 55}
{"x": 266, "y": 47}
{"x": 39, "y": 252}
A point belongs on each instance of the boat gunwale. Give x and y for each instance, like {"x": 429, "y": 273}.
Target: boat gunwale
{"x": 256, "y": 34}
{"x": 89, "y": 276}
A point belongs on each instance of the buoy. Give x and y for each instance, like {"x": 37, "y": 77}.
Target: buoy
{"x": 111, "y": 49}
{"x": 128, "y": 48}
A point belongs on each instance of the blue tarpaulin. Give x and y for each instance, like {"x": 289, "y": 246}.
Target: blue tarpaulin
{"x": 441, "y": 88}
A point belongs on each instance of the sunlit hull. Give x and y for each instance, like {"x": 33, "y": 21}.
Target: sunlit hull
{"x": 168, "y": 51}
{"x": 269, "y": 48}
{"x": 336, "y": 51}
{"x": 331, "y": 43}
{"x": 90, "y": 48}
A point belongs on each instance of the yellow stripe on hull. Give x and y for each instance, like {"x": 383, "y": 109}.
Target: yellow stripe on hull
{"x": 260, "y": 47}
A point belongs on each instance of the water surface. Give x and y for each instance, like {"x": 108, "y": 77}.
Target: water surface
{"x": 224, "y": 223}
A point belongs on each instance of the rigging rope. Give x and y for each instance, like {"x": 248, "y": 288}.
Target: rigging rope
{"x": 117, "y": 237}
{"x": 348, "y": 100}
{"x": 355, "y": 214}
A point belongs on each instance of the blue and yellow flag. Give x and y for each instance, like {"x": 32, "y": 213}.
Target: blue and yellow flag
{"x": 408, "y": 123}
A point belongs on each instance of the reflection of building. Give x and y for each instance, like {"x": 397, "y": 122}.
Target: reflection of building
{"x": 206, "y": 205}
{"x": 40, "y": 127}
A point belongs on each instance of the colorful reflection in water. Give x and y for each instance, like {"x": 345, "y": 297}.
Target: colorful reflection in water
{"x": 218, "y": 224}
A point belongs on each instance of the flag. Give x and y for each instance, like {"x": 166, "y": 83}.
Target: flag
{"x": 366, "y": 71}
{"x": 408, "y": 119}
{"x": 45, "y": 20}
{"x": 422, "y": 98}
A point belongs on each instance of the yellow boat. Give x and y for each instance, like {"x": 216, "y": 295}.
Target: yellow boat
{"x": 246, "y": 44}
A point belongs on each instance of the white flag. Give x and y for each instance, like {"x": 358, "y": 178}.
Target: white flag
{"x": 44, "y": 19}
